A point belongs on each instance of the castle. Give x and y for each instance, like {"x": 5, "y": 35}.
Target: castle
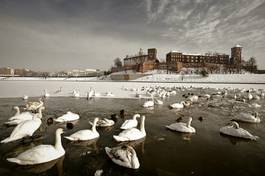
{"x": 177, "y": 61}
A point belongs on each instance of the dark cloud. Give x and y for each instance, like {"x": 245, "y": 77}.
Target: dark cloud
{"x": 67, "y": 34}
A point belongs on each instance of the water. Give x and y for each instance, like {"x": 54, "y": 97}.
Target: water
{"x": 163, "y": 152}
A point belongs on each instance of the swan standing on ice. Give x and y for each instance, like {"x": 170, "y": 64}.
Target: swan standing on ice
{"x": 246, "y": 117}
{"x": 19, "y": 117}
{"x": 131, "y": 123}
{"x": 182, "y": 127}
{"x": 41, "y": 153}
{"x": 46, "y": 94}
{"x": 235, "y": 131}
{"x": 25, "y": 128}
{"x": 68, "y": 117}
{"x": 90, "y": 93}
{"x": 132, "y": 134}
{"x": 123, "y": 156}
{"x": 84, "y": 135}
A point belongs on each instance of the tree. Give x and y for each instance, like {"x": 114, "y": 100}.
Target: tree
{"x": 252, "y": 63}
{"x": 118, "y": 62}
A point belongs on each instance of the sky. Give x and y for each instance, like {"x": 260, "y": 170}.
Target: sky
{"x": 54, "y": 35}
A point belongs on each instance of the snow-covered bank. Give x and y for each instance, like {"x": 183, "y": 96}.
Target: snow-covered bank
{"x": 212, "y": 78}
{"x": 119, "y": 89}
{"x": 48, "y": 79}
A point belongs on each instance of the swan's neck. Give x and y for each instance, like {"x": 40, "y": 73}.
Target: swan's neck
{"x": 188, "y": 123}
{"x": 58, "y": 143}
{"x": 40, "y": 113}
{"x": 94, "y": 126}
{"x": 142, "y": 125}
{"x": 18, "y": 111}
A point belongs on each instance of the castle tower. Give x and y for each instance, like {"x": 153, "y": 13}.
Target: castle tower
{"x": 152, "y": 54}
{"x": 236, "y": 57}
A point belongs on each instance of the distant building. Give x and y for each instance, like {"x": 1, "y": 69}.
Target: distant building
{"x": 7, "y": 71}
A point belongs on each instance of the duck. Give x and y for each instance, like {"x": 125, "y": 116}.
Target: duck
{"x": 234, "y": 130}
{"x": 19, "y": 117}
{"x": 104, "y": 122}
{"x": 68, "y": 117}
{"x": 246, "y": 117}
{"x": 41, "y": 153}
{"x": 25, "y": 128}
{"x": 124, "y": 156}
{"x": 132, "y": 134}
{"x": 33, "y": 106}
{"x": 182, "y": 127}
{"x": 131, "y": 123}
{"x": 84, "y": 135}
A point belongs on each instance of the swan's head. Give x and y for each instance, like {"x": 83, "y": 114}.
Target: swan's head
{"x": 143, "y": 117}
{"x": 235, "y": 125}
{"x": 96, "y": 120}
{"x": 16, "y": 108}
{"x": 136, "y": 116}
{"x": 59, "y": 131}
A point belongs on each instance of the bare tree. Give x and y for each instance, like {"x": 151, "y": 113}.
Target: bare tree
{"x": 118, "y": 62}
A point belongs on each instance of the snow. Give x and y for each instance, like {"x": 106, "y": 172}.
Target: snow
{"x": 212, "y": 78}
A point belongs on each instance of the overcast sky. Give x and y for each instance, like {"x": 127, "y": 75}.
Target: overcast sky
{"x": 53, "y": 35}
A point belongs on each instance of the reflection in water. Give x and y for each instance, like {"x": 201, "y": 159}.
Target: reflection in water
{"x": 45, "y": 167}
{"x": 236, "y": 140}
{"x": 138, "y": 143}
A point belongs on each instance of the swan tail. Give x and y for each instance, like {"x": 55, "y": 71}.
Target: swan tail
{"x": 107, "y": 149}
{"x": 58, "y": 120}
{"x": 14, "y": 160}
{"x": 119, "y": 139}
{"x": 10, "y": 123}
{"x": 69, "y": 138}
{"x": 6, "y": 140}
{"x": 254, "y": 138}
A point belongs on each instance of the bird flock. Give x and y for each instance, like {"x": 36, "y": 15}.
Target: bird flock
{"x": 29, "y": 121}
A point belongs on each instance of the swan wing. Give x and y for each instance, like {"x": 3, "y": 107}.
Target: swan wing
{"x": 22, "y": 116}
{"x": 37, "y": 155}
{"x": 131, "y": 134}
{"x": 83, "y": 135}
{"x": 181, "y": 127}
{"x": 129, "y": 124}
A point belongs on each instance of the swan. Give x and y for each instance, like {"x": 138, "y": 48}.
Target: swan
{"x": 132, "y": 134}
{"x": 41, "y": 153}
{"x": 33, "y": 106}
{"x": 76, "y": 94}
{"x": 178, "y": 105}
{"x": 104, "y": 122}
{"x": 193, "y": 98}
{"x": 25, "y": 128}
{"x": 19, "y": 117}
{"x": 149, "y": 103}
{"x": 46, "y": 94}
{"x": 255, "y": 105}
{"x": 123, "y": 156}
{"x": 90, "y": 93}
{"x": 131, "y": 123}
{"x": 25, "y": 97}
{"x": 68, "y": 117}
{"x": 158, "y": 102}
{"x": 182, "y": 127}
{"x": 235, "y": 131}
{"x": 246, "y": 117}
{"x": 84, "y": 135}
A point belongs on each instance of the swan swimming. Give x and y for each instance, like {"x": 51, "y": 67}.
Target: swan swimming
{"x": 235, "y": 131}
{"x": 104, "y": 122}
{"x": 131, "y": 123}
{"x": 25, "y": 128}
{"x": 19, "y": 117}
{"x": 68, "y": 117}
{"x": 123, "y": 156}
{"x": 84, "y": 135}
{"x": 182, "y": 127}
{"x": 41, "y": 153}
{"x": 246, "y": 117}
{"x": 178, "y": 105}
{"x": 132, "y": 133}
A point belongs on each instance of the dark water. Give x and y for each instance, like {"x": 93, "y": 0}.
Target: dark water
{"x": 163, "y": 152}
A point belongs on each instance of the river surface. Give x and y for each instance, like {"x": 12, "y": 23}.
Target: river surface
{"x": 161, "y": 153}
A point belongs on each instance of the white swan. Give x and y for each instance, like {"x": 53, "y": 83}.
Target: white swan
{"x": 235, "y": 131}
{"x": 132, "y": 134}
{"x": 178, "y": 105}
{"x": 158, "y": 102}
{"x": 246, "y": 117}
{"x": 131, "y": 123}
{"x": 33, "y": 106}
{"x": 123, "y": 156}
{"x": 25, "y": 97}
{"x": 76, "y": 94}
{"x": 149, "y": 104}
{"x": 193, "y": 98}
{"x": 41, "y": 153}
{"x": 182, "y": 127}
{"x": 255, "y": 105}
{"x": 104, "y": 122}
{"x": 68, "y": 117}
{"x": 46, "y": 94}
{"x": 90, "y": 93}
{"x": 19, "y": 117}
{"x": 84, "y": 135}
{"x": 25, "y": 128}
